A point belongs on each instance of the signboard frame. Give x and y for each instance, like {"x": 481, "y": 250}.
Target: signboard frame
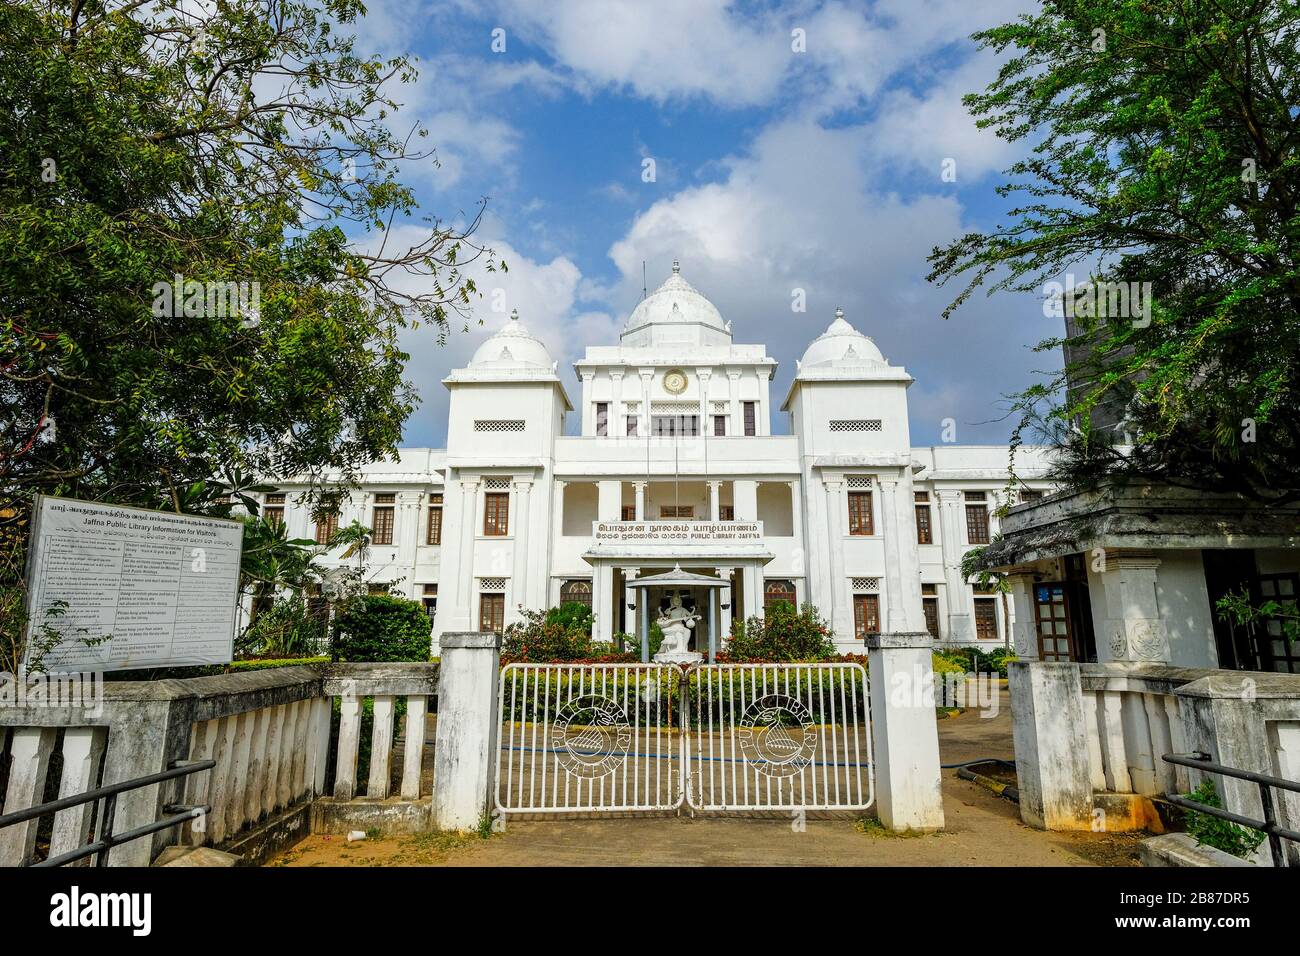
{"x": 88, "y": 659}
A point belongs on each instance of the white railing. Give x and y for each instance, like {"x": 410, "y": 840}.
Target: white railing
{"x": 269, "y": 733}
{"x": 1133, "y": 718}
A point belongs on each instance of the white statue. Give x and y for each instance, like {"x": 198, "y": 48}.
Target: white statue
{"x": 676, "y": 623}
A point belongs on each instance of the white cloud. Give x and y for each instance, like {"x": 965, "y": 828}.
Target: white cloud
{"x": 800, "y": 210}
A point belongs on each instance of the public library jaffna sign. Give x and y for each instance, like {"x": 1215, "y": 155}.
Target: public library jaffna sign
{"x": 676, "y": 532}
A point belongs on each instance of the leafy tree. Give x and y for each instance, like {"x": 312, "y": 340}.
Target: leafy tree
{"x": 146, "y": 144}
{"x": 379, "y": 627}
{"x": 1165, "y": 149}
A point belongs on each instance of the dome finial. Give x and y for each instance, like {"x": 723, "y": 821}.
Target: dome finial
{"x": 514, "y": 315}
{"x": 677, "y": 267}
{"x": 839, "y": 313}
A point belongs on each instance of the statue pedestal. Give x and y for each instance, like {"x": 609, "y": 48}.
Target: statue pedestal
{"x": 678, "y": 657}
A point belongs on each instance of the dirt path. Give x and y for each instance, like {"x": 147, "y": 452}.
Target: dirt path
{"x": 982, "y": 829}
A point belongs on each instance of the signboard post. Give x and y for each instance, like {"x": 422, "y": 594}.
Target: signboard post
{"x": 137, "y": 588}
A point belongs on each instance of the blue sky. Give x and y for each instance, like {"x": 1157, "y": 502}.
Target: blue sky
{"x": 775, "y": 170}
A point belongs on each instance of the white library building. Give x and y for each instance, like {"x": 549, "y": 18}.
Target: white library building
{"x": 677, "y": 487}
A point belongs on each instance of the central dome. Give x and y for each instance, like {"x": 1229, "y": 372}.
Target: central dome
{"x": 676, "y": 313}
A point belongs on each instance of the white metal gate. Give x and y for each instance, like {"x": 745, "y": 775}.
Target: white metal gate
{"x": 779, "y": 736}
{"x": 589, "y": 738}
{"x": 718, "y": 737}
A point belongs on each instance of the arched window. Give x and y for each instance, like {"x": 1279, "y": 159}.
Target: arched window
{"x": 578, "y": 590}
{"x": 779, "y": 590}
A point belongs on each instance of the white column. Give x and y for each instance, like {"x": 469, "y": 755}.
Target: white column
{"x": 640, "y": 500}
{"x": 840, "y": 610}
{"x": 736, "y": 426}
{"x": 724, "y": 613}
{"x": 714, "y": 489}
{"x": 896, "y": 613}
{"x": 407, "y": 535}
{"x": 588, "y": 405}
{"x": 602, "y": 584}
{"x": 468, "y": 532}
{"x": 522, "y": 541}
{"x": 1025, "y": 632}
{"x": 905, "y": 732}
{"x": 646, "y": 375}
{"x": 952, "y": 534}
{"x": 465, "y": 748}
{"x": 617, "y": 426}
{"x": 1134, "y": 630}
{"x": 796, "y": 513}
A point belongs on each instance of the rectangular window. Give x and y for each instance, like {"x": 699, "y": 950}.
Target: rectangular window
{"x": 434, "y": 535}
{"x": 720, "y": 426}
{"x": 430, "y": 601}
{"x": 669, "y": 425}
{"x": 492, "y": 612}
{"x": 751, "y": 422}
{"x": 977, "y": 524}
{"x": 860, "y": 513}
{"x": 930, "y": 607}
{"x": 496, "y": 513}
{"x": 1051, "y": 615}
{"x": 631, "y": 425}
{"x": 924, "y": 533}
{"x": 866, "y": 615}
{"x": 602, "y": 418}
{"x": 326, "y": 527}
{"x": 986, "y": 619}
{"x": 1027, "y": 494}
{"x": 381, "y": 522}
{"x": 726, "y": 512}
{"x": 273, "y": 512}
{"x": 629, "y": 512}
{"x": 678, "y": 511}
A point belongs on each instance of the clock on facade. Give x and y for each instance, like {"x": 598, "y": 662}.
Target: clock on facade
{"x": 675, "y": 382}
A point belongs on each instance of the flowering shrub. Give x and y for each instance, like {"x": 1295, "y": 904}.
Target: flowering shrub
{"x": 783, "y": 635}
{"x": 544, "y": 637}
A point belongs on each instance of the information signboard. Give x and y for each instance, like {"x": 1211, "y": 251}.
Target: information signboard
{"x": 136, "y": 588}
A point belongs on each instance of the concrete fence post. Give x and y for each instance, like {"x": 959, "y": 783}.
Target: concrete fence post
{"x": 465, "y": 744}
{"x": 905, "y": 731}
{"x": 1053, "y": 766}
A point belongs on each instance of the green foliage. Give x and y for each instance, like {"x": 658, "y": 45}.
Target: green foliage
{"x": 285, "y": 629}
{"x": 555, "y": 635}
{"x": 239, "y": 667}
{"x": 571, "y": 615}
{"x": 783, "y": 634}
{"x": 1161, "y": 140}
{"x": 971, "y": 659}
{"x": 135, "y": 151}
{"x": 1223, "y": 835}
{"x": 1238, "y": 607}
{"x": 943, "y": 662}
{"x": 378, "y": 627}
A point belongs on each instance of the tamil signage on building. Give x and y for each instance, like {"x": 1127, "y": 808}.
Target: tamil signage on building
{"x": 676, "y": 532}
{"x": 113, "y": 587}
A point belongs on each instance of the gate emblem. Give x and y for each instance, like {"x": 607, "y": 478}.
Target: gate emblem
{"x": 777, "y": 735}
{"x": 592, "y": 736}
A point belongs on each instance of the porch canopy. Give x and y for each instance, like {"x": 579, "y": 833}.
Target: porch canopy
{"x": 676, "y": 578}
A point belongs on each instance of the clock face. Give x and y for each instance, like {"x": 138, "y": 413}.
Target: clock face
{"x": 675, "y": 382}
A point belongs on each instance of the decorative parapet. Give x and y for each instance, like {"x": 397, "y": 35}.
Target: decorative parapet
{"x": 269, "y": 732}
